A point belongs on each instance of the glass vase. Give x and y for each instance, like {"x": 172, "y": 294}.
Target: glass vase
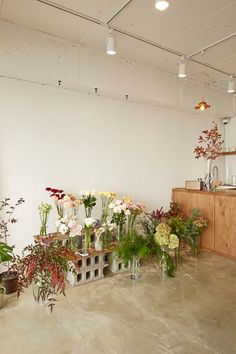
{"x": 43, "y": 230}
{"x": 208, "y": 181}
{"x": 98, "y": 245}
{"x": 86, "y": 240}
{"x": 163, "y": 262}
{"x": 135, "y": 268}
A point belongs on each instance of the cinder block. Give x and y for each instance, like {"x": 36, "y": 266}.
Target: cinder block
{"x": 116, "y": 265}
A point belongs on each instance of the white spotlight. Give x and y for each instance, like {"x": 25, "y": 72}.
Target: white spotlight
{"x": 182, "y": 68}
{"x": 161, "y": 5}
{"x": 111, "y": 42}
{"x": 231, "y": 88}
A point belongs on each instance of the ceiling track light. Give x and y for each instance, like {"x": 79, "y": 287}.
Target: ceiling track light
{"x": 182, "y": 68}
{"x": 161, "y": 5}
{"x": 231, "y": 87}
{"x": 111, "y": 42}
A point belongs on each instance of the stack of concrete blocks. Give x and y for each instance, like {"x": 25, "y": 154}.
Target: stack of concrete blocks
{"x": 116, "y": 265}
{"x": 90, "y": 268}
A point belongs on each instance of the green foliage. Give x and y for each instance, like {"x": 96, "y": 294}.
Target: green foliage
{"x": 148, "y": 226}
{"x": 177, "y": 225}
{"x": 5, "y": 252}
{"x": 132, "y": 244}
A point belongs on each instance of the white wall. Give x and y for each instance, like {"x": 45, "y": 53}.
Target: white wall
{"x": 72, "y": 140}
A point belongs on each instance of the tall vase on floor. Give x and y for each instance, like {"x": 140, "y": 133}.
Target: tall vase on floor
{"x": 135, "y": 268}
{"x": 208, "y": 177}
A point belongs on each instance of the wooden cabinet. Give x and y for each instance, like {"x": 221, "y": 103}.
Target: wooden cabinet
{"x": 225, "y": 225}
{"x": 220, "y": 209}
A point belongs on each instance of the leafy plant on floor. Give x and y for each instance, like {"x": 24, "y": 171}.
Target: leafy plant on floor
{"x": 45, "y": 265}
{"x": 193, "y": 228}
{"x": 132, "y": 245}
{"x": 6, "y": 219}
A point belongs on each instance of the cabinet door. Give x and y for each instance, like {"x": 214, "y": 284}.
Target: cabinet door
{"x": 225, "y": 225}
{"x": 181, "y": 197}
{"x": 205, "y": 203}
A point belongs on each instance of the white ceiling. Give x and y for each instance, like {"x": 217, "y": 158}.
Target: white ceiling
{"x": 187, "y": 26}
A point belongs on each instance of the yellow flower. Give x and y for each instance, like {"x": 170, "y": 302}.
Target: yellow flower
{"x": 127, "y": 199}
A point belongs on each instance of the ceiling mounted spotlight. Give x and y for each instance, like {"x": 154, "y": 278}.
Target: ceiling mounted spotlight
{"x": 231, "y": 88}
{"x": 161, "y": 5}
{"x": 202, "y": 106}
{"x": 182, "y": 68}
{"x": 111, "y": 42}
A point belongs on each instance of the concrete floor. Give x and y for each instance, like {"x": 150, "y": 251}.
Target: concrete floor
{"x": 194, "y": 313}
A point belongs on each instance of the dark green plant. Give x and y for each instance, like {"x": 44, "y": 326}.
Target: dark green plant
{"x": 170, "y": 264}
{"x": 5, "y": 252}
{"x": 132, "y": 245}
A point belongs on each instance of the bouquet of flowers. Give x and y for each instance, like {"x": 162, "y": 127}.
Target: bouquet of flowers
{"x": 104, "y": 232}
{"x": 107, "y": 198}
{"x": 89, "y": 200}
{"x": 88, "y": 223}
{"x": 194, "y": 227}
{"x": 44, "y": 211}
{"x": 72, "y": 203}
{"x": 69, "y": 225}
{"x": 164, "y": 238}
{"x": 57, "y": 196}
{"x": 135, "y": 210}
{"x": 167, "y": 241}
{"x": 120, "y": 212}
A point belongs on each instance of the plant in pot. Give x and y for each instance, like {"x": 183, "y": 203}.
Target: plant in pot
{"x": 6, "y": 255}
{"x": 8, "y": 278}
{"x": 44, "y": 265}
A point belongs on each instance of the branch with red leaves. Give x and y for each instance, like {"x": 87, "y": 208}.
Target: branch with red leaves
{"x": 210, "y": 144}
{"x": 44, "y": 264}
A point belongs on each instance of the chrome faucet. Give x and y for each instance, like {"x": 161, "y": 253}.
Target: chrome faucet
{"x": 215, "y": 173}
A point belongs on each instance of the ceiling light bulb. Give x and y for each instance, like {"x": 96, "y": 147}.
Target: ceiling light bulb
{"x": 182, "y": 68}
{"x": 202, "y": 106}
{"x": 111, "y": 43}
{"x": 231, "y": 88}
{"x": 161, "y": 5}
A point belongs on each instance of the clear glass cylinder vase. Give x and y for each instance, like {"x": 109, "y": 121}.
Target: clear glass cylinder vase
{"x": 208, "y": 181}
{"x": 135, "y": 268}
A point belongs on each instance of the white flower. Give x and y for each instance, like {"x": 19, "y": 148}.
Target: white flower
{"x": 117, "y": 209}
{"x": 63, "y": 229}
{"x": 76, "y": 231}
{"x": 72, "y": 223}
{"x": 118, "y": 202}
{"x": 111, "y": 206}
{"x": 93, "y": 192}
{"x": 127, "y": 212}
{"x": 89, "y": 222}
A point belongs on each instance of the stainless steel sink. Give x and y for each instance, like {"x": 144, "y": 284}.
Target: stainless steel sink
{"x": 221, "y": 188}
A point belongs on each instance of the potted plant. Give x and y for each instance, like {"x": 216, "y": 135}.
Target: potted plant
{"x": 5, "y": 256}
{"x": 9, "y": 277}
{"x": 44, "y": 265}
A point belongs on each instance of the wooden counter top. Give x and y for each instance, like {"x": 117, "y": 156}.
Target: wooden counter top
{"x": 229, "y": 193}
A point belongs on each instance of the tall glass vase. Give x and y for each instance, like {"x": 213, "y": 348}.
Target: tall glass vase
{"x": 135, "y": 268}
{"x": 208, "y": 177}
